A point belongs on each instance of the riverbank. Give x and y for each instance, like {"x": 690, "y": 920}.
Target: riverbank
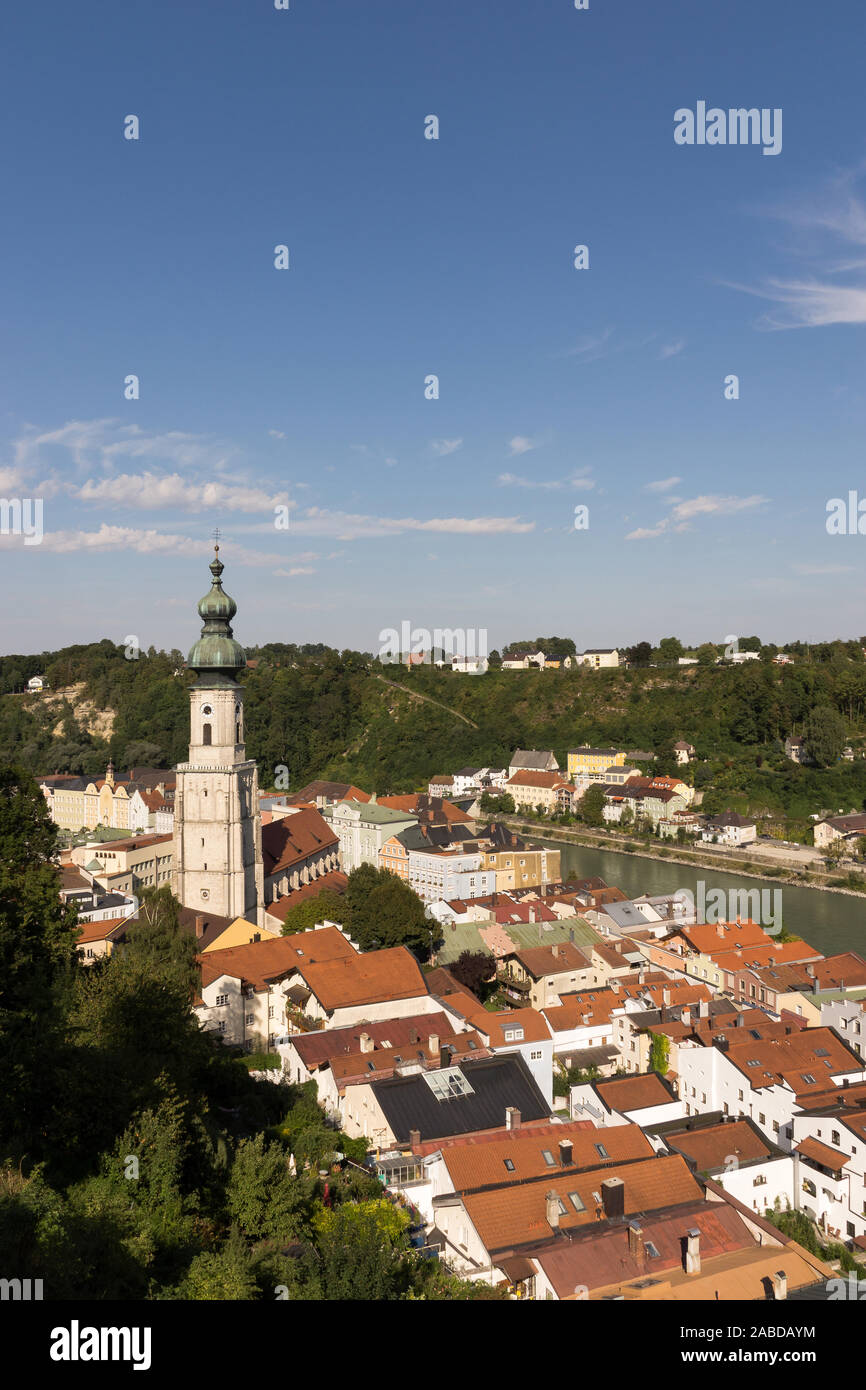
{"x": 647, "y": 849}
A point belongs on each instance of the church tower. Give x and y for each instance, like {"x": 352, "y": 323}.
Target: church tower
{"x": 217, "y": 827}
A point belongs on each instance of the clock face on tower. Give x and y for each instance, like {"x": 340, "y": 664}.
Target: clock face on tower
{"x": 207, "y": 709}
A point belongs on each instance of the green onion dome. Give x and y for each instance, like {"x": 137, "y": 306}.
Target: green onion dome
{"x": 216, "y": 656}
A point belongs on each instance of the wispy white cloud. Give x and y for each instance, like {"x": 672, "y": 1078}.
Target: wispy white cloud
{"x": 682, "y": 513}
{"x": 591, "y": 346}
{"x": 577, "y": 480}
{"x": 108, "y": 539}
{"x": 276, "y": 434}
{"x": 522, "y": 444}
{"x": 672, "y": 349}
{"x": 443, "y": 447}
{"x": 101, "y": 443}
{"x": 711, "y": 504}
{"x": 349, "y": 526}
{"x": 825, "y": 222}
{"x": 645, "y": 533}
{"x": 151, "y": 491}
{"x": 662, "y": 484}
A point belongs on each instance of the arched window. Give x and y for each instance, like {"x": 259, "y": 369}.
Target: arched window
{"x": 237, "y": 731}
{"x": 205, "y": 734}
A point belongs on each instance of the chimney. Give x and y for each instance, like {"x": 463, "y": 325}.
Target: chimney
{"x": 444, "y": 1055}
{"x": 366, "y": 1042}
{"x": 780, "y": 1285}
{"x": 200, "y": 924}
{"x": 686, "y": 1016}
{"x": 552, "y": 1210}
{"x": 641, "y": 975}
{"x": 720, "y": 930}
{"x": 532, "y": 919}
{"x": 613, "y": 1197}
{"x": 704, "y": 1008}
{"x": 692, "y": 1257}
{"x": 636, "y": 1245}
{"x": 512, "y": 1117}
{"x": 414, "y": 1138}
{"x": 433, "y": 1044}
{"x": 741, "y": 1022}
{"x": 566, "y": 1152}
{"x": 666, "y": 997}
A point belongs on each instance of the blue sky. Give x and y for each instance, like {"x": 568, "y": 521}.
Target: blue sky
{"x": 411, "y": 257}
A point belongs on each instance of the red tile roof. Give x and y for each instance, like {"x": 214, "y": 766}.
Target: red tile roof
{"x": 332, "y": 882}
{"x": 293, "y": 839}
{"x": 258, "y": 962}
{"x": 508, "y": 1217}
{"x": 823, "y": 1154}
{"x": 364, "y": 979}
{"x": 472, "y": 1167}
{"x": 319, "y": 1048}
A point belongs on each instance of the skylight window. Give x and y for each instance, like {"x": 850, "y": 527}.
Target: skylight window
{"x": 448, "y": 1084}
{"x": 809, "y": 1079}
{"x": 652, "y": 1251}
{"x": 821, "y": 1052}
{"x": 577, "y": 1201}
{"x": 602, "y": 1151}
{"x": 548, "y": 1158}
{"x": 509, "y": 1165}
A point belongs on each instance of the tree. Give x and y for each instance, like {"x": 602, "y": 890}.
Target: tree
{"x": 263, "y": 1197}
{"x": 474, "y": 969}
{"x": 639, "y": 655}
{"x": 37, "y": 947}
{"x": 363, "y": 1251}
{"x": 229, "y": 1273}
{"x": 665, "y": 761}
{"x": 824, "y": 735}
{"x": 707, "y": 654}
{"x": 327, "y": 906}
{"x": 592, "y": 804}
{"x": 670, "y": 649}
{"x": 385, "y": 912}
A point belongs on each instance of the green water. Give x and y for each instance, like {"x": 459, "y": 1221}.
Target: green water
{"x": 831, "y": 922}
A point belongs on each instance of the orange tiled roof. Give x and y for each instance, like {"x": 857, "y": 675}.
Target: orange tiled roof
{"x": 364, "y": 979}
{"x": 822, "y": 1153}
{"x": 494, "y": 1024}
{"x": 292, "y": 839}
{"x": 634, "y": 1092}
{"x": 334, "y": 881}
{"x": 508, "y": 1217}
{"x": 475, "y": 1166}
{"x": 258, "y": 962}
{"x": 712, "y": 1147}
{"x": 98, "y": 931}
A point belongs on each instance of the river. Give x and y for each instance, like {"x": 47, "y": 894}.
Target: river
{"x": 831, "y": 922}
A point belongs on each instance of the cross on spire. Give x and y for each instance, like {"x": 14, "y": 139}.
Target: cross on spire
{"x": 216, "y": 535}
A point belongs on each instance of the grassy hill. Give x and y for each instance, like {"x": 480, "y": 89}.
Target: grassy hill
{"x": 323, "y": 713}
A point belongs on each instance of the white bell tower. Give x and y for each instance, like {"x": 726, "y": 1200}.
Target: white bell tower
{"x": 217, "y": 827}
